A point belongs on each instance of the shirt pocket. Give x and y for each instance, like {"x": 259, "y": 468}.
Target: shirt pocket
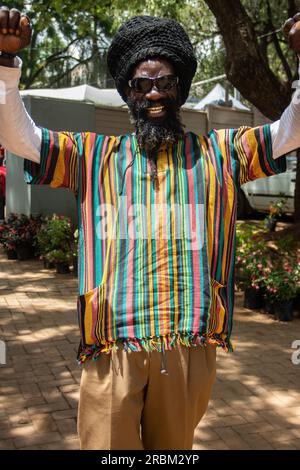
{"x": 217, "y": 309}
{"x": 91, "y": 316}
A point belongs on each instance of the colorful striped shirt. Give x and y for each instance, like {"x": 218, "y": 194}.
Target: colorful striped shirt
{"x": 156, "y": 259}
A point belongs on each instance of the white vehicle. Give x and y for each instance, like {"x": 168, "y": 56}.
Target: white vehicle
{"x": 260, "y": 194}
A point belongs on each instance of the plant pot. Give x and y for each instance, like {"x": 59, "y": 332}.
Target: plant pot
{"x": 269, "y": 306}
{"x": 271, "y": 224}
{"x": 62, "y": 268}
{"x": 48, "y": 264}
{"x": 24, "y": 252}
{"x": 11, "y": 254}
{"x": 253, "y": 298}
{"x": 284, "y": 309}
{"x": 297, "y": 303}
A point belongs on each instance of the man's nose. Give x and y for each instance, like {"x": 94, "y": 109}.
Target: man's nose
{"x": 154, "y": 94}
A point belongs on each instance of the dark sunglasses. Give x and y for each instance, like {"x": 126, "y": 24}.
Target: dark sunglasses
{"x": 145, "y": 84}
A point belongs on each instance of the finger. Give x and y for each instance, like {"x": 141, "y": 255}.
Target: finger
{"x": 288, "y": 26}
{"x": 24, "y": 27}
{"x": 4, "y": 16}
{"x": 296, "y": 17}
{"x": 294, "y": 37}
{"x": 24, "y": 22}
{"x": 14, "y": 18}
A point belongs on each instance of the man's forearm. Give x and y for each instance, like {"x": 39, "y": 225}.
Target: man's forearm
{"x": 18, "y": 133}
{"x": 286, "y": 131}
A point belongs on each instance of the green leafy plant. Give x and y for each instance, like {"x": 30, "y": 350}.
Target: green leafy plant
{"x": 60, "y": 232}
{"x": 55, "y": 235}
{"x": 59, "y": 256}
{"x": 267, "y": 262}
{"x": 251, "y": 256}
{"x": 282, "y": 283}
{"x": 276, "y": 209}
{"x": 43, "y": 239}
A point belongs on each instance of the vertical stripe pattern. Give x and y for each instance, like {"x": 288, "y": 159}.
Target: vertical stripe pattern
{"x": 156, "y": 261}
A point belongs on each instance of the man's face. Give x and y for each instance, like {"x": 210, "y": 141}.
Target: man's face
{"x": 155, "y": 112}
{"x": 155, "y": 68}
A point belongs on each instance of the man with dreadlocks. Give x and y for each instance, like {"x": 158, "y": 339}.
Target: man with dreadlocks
{"x": 156, "y": 272}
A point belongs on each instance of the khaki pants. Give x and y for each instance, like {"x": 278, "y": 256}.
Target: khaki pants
{"x": 126, "y": 403}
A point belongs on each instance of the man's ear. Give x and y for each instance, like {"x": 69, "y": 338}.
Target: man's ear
{"x": 128, "y": 90}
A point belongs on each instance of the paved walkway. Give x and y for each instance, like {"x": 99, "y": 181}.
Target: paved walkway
{"x": 256, "y": 398}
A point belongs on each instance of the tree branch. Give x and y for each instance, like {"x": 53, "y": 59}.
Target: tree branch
{"x": 245, "y": 66}
{"x": 277, "y": 45}
{"x": 84, "y": 61}
{"x": 49, "y": 60}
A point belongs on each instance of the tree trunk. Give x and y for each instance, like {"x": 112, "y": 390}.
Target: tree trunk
{"x": 247, "y": 69}
{"x": 244, "y": 65}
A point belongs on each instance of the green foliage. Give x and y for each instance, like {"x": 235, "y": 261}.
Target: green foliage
{"x": 267, "y": 263}
{"x": 87, "y": 27}
{"x": 60, "y": 231}
{"x": 68, "y": 33}
{"x": 55, "y": 239}
{"x": 269, "y": 16}
{"x": 43, "y": 239}
{"x": 65, "y": 34}
{"x": 277, "y": 209}
{"x": 251, "y": 256}
{"x": 59, "y": 256}
{"x": 283, "y": 282}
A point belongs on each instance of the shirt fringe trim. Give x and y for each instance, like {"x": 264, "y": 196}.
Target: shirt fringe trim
{"x": 152, "y": 344}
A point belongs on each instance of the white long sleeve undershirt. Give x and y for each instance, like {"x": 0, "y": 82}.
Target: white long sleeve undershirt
{"x": 20, "y": 135}
{"x": 286, "y": 131}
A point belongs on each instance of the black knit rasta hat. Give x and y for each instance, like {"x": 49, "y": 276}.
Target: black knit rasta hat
{"x": 143, "y": 37}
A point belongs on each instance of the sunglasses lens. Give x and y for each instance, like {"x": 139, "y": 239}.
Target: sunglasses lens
{"x": 165, "y": 83}
{"x": 142, "y": 85}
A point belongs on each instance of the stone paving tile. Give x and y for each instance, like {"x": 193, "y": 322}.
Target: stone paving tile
{"x": 255, "y": 401}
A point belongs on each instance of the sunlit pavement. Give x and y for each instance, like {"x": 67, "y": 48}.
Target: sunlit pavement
{"x": 256, "y": 397}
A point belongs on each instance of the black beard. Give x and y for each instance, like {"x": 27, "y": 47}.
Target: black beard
{"x": 152, "y": 134}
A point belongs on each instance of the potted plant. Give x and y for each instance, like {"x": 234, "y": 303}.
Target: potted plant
{"x": 276, "y": 210}
{"x": 44, "y": 244}
{"x": 61, "y": 259}
{"x": 18, "y": 235}
{"x": 251, "y": 262}
{"x": 26, "y": 231}
{"x": 5, "y": 243}
{"x": 281, "y": 286}
{"x": 6, "y": 237}
{"x": 55, "y": 242}
{"x": 252, "y": 285}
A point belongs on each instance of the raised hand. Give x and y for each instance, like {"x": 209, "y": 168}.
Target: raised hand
{"x": 15, "y": 30}
{"x": 291, "y": 30}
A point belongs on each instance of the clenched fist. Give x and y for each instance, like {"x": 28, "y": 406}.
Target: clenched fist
{"x": 291, "y": 30}
{"x": 15, "y": 30}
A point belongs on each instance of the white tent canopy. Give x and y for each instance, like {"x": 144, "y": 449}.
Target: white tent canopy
{"x": 215, "y": 95}
{"x": 110, "y": 96}
{"x": 105, "y": 97}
